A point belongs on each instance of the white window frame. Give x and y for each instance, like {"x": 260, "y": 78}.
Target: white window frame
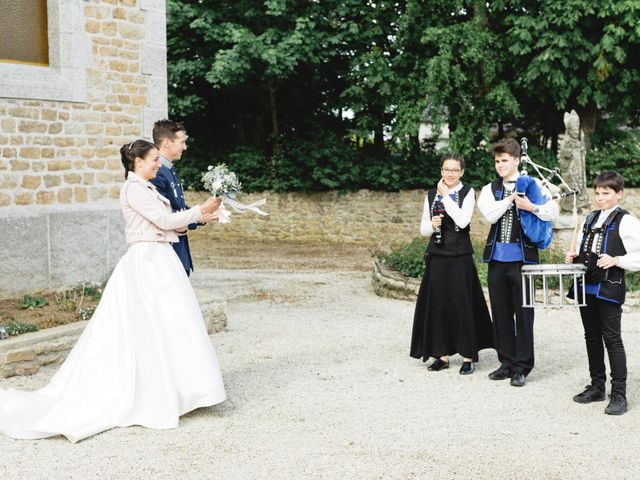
{"x": 64, "y": 79}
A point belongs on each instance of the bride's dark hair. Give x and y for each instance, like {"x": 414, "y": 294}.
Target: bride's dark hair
{"x": 130, "y": 151}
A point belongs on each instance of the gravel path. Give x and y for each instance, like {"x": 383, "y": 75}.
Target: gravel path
{"x": 320, "y": 385}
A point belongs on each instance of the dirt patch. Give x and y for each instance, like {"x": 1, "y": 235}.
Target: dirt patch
{"x": 281, "y": 256}
{"x": 50, "y": 309}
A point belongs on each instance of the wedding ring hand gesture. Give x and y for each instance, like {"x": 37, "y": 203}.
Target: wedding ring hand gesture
{"x": 607, "y": 261}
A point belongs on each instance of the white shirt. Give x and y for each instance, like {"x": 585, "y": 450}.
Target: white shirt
{"x": 629, "y": 233}
{"x": 461, "y": 216}
{"x": 493, "y": 209}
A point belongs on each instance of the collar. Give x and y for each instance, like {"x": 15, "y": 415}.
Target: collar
{"x": 457, "y": 188}
{"x": 166, "y": 162}
{"x": 134, "y": 177}
{"x": 605, "y": 213}
{"x": 511, "y": 179}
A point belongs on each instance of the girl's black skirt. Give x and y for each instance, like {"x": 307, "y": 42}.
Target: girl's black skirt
{"x": 451, "y": 313}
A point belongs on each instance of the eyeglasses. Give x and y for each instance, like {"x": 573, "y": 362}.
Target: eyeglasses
{"x": 451, "y": 171}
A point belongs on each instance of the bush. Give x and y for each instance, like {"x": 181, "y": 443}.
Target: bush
{"x": 14, "y": 328}
{"x": 409, "y": 260}
{"x": 620, "y": 153}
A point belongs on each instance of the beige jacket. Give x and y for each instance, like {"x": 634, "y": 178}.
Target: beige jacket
{"x": 147, "y": 214}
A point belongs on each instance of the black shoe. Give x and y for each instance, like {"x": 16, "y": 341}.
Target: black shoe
{"x": 617, "y": 404}
{"x": 517, "y": 380}
{"x": 500, "y": 374}
{"x": 467, "y": 368}
{"x": 590, "y": 394}
{"x": 438, "y": 365}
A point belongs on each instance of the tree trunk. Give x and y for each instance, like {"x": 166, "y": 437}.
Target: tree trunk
{"x": 588, "y": 117}
{"x": 275, "y": 127}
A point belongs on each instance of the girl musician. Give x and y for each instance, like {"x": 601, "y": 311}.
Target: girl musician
{"x": 451, "y": 314}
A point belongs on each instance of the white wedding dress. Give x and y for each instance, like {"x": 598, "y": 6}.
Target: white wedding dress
{"x": 144, "y": 358}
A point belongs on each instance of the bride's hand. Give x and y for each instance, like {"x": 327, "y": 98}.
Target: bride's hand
{"x": 210, "y": 205}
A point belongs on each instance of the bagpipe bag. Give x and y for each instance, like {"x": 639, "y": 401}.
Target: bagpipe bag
{"x": 540, "y": 232}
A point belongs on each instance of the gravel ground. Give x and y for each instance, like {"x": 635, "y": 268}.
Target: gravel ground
{"x": 320, "y": 385}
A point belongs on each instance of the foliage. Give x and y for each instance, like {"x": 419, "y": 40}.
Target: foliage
{"x": 33, "y": 301}
{"x": 86, "y": 313}
{"x": 621, "y": 153}
{"x": 408, "y": 259}
{"x": 330, "y": 95}
{"x": 18, "y": 328}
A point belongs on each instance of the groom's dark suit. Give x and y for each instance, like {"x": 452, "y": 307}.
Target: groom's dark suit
{"x": 169, "y": 186}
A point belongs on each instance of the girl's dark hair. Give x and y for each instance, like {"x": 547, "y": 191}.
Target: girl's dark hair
{"x": 452, "y": 156}
{"x": 130, "y": 151}
{"x": 609, "y": 179}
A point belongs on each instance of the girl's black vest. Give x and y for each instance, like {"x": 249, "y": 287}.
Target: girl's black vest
{"x": 613, "y": 286}
{"x": 455, "y": 240}
{"x": 529, "y": 251}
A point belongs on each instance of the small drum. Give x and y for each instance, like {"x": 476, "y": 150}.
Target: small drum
{"x": 534, "y": 276}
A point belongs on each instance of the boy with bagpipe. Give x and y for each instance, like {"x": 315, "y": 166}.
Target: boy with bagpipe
{"x": 609, "y": 244}
{"x": 520, "y": 210}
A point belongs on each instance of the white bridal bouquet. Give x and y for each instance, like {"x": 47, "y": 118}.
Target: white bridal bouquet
{"x": 225, "y": 184}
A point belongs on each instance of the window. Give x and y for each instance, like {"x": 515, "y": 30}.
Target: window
{"x": 23, "y": 32}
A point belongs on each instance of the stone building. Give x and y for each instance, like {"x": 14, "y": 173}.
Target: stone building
{"x": 78, "y": 78}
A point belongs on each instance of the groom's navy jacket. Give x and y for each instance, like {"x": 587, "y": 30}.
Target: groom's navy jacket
{"x": 169, "y": 186}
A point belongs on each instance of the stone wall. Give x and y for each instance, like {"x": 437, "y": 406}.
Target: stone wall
{"x": 371, "y": 218}
{"x": 60, "y": 169}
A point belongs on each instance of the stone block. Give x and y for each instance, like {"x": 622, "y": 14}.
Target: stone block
{"x": 31, "y": 181}
{"x": 28, "y": 369}
{"x": 78, "y": 243}
{"x": 117, "y": 245}
{"x": 32, "y": 127}
{"x": 215, "y": 316}
{"x": 45, "y": 198}
{"x": 52, "y": 181}
{"x": 24, "y": 258}
{"x": 15, "y": 356}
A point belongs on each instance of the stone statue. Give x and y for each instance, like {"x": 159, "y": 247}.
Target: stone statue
{"x": 571, "y": 155}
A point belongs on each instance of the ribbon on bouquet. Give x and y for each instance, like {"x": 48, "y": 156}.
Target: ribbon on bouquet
{"x": 225, "y": 215}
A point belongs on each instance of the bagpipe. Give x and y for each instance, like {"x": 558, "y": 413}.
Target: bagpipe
{"x": 540, "y": 232}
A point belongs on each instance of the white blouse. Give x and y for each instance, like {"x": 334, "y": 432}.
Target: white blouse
{"x": 460, "y": 215}
{"x": 630, "y": 235}
{"x": 493, "y": 209}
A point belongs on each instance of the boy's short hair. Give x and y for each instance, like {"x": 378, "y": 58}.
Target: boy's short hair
{"x": 507, "y": 145}
{"x": 166, "y": 129}
{"x": 609, "y": 179}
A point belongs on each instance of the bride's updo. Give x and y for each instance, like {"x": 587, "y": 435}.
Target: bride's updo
{"x": 130, "y": 151}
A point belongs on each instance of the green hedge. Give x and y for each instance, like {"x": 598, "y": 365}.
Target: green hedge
{"x": 325, "y": 161}
{"x": 409, "y": 260}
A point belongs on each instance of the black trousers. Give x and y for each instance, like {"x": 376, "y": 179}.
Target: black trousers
{"x": 601, "y": 321}
{"x": 513, "y": 325}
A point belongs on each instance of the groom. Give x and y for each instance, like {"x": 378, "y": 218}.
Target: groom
{"x": 171, "y": 139}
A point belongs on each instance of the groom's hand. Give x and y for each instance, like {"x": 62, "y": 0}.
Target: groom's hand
{"x": 211, "y": 204}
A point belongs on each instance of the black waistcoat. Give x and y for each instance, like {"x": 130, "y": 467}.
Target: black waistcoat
{"x": 455, "y": 240}
{"x": 529, "y": 251}
{"x": 613, "y": 287}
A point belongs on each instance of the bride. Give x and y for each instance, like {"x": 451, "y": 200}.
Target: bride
{"x": 144, "y": 358}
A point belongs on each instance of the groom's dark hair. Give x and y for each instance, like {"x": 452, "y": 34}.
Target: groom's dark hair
{"x": 166, "y": 129}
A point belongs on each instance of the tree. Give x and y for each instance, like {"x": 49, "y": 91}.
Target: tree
{"x": 577, "y": 54}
